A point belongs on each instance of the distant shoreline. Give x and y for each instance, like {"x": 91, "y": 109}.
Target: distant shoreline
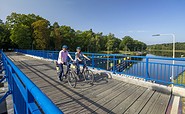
{"x": 183, "y": 51}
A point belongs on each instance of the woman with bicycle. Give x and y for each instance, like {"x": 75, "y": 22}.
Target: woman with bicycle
{"x": 62, "y": 60}
{"x": 78, "y": 59}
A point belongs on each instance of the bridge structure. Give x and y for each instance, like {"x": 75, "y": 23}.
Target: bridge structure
{"x": 123, "y": 84}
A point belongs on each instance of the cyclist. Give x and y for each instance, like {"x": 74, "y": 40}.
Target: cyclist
{"x": 78, "y": 59}
{"x": 62, "y": 60}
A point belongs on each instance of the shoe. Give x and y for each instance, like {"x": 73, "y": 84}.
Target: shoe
{"x": 60, "y": 79}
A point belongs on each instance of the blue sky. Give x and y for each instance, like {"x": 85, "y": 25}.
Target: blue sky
{"x": 136, "y": 18}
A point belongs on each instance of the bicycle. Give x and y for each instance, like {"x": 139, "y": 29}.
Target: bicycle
{"x": 87, "y": 74}
{"x": 70, "y": 75}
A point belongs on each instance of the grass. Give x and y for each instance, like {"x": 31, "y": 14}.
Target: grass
{"x": 180, "y": 79}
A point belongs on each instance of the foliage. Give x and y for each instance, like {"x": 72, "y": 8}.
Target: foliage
{"x": 32, "y": 31}
{"x": 41, "y": 34}
{"x": 130, "y": 44}
{"x": 167, "y": 46}
{"x": 21, "y": 36}
{"x": 5, "y": 41}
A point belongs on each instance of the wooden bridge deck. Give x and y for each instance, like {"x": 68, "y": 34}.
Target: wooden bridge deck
{"x": 104, "y": 97}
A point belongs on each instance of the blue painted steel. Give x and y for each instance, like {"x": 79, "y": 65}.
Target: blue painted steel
{"x": 158, "y": 69}
{"x": 27, "y": 97}
{"x": 4, "y": 97}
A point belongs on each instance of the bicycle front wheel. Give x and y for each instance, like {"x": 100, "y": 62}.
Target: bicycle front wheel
{"x": 89, "y": 76}
{"x": 72, "y": 79}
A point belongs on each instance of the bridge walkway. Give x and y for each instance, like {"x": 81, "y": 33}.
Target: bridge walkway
{"x": 103, "y": 97}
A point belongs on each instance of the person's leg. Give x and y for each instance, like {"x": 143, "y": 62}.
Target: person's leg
{"x": 77, "y": 67}
{"x": 68, "y": 66}
{"x": 61, "y": 71}
{"x": 83, "y": 66}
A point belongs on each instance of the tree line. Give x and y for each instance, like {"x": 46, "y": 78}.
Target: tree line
{"x": 167, "y": 46}
{"x": 30, "y": 31}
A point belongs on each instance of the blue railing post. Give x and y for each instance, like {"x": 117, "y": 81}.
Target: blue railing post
{"x": 93, "y": 61}
{"x": 53, "y": 56}
{"x": 147, "y": 68}
{"x": 114, "y": 64}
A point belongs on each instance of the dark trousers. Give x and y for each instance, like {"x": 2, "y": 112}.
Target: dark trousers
{"x": 61, "y": 67}
{"x": 78, "y": 66}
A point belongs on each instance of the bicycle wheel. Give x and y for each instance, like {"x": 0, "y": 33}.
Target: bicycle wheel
{"x": 89, "y": 76}
{"x": 71, "y": 79}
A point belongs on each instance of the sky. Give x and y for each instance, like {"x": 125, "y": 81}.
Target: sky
{"x": 139, "y": 19}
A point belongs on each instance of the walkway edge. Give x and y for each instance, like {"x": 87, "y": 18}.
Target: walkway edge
{"x": 175, "y": 105}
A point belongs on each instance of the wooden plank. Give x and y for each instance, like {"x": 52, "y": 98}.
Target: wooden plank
{"x": 150, "y": 103}
{"x": 72, "y": 92}
{"x": 124, "y": 105}
{"x": 106, "y": 99}
{"x": 140, "y": 103}
{"x": 175, "y": 105}
{"x": 95, "y": 98}
{"x": 117, "y": 100}
{"x": 161, "y": 104}
{"x": 79, "y": 99}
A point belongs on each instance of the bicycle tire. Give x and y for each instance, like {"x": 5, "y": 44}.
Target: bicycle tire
{"x": 89, "y": 76}
{"x": 71, "y": 78}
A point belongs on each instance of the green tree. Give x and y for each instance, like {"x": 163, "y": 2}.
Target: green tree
{"x": 14, "y": 20}
{"x": 127, "y": 42}
{"x": 56, "y": 36}
{"x": 112, "y": 43}
{"x": 5, "y": 41}
{"x": 68, "y": 37}
{"x": 21, "y": 36}
{"x": 41, "y": 34}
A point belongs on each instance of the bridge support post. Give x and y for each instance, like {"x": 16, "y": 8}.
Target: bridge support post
{"x": 114, "y": 64}
{"x": 147, "y": 68}
{"x": 93, "y": 61}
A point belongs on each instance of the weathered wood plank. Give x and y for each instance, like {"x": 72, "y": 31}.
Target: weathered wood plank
{"x": 96, "y": 97}
{"x": 107, "y": 98}
{"x": 117, "y": 100}
{"x": 161, "y": 105}
{"x": 150, "y": 103}
{"x": 140, "y": 102}
{"x": 124, "y": 105}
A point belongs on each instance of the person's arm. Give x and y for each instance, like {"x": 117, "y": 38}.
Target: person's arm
{"x": 60, "y": 56}
{"x": 70, "y": 57}
{"x": 78, "y": 57}
{"x": 86, "y": 57}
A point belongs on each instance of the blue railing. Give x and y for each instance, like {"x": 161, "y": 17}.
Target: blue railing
{"x": 27, "y": 97}
{"x": 158, "y": 69}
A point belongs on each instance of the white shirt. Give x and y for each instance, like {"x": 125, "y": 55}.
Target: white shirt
{"x": 62, "y": 57}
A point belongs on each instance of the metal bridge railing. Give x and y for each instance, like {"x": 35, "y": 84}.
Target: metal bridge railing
{"x": 27, "y": 97}
{"x": 158, "y": 69}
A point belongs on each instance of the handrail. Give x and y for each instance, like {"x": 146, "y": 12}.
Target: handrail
{"x": 25, "y": 92}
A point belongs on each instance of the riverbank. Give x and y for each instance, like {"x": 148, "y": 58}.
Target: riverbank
{"x": 182, "y": 51}
{"x": 133, "y": 53}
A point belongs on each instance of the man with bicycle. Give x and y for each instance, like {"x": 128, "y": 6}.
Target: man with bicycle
{"x": 62, "y": 60}
{"x": 78, "y": 59}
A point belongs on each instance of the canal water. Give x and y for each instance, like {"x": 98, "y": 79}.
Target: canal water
{"x": 158, "y": 69}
